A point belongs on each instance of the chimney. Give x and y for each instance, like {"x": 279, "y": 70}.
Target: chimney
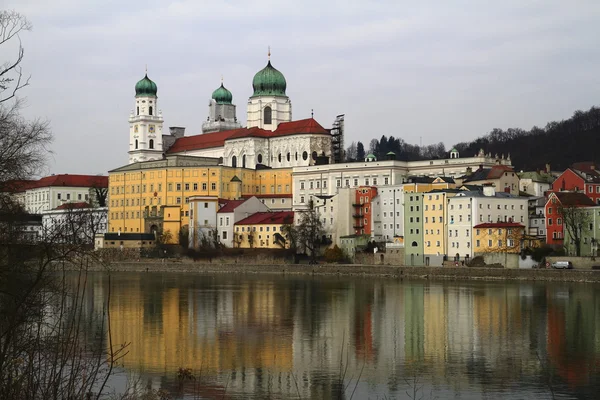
{"x": 469, "y": 171}
{"x": 480, "y": 167}
{"x": 489, "y": 191}
{"x": 177, "y": 131}
{"x": 547, "y": 168}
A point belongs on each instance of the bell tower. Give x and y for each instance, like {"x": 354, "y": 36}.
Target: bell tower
{"x": 145, "y": 124}
{"x": 269, "y": 105}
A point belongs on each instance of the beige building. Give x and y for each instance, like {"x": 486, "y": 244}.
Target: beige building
{"x": 263, "y": 230}
{"x": 435, "y": 223}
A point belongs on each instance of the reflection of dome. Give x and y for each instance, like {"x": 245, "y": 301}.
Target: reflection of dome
{"x": 222, "y": 95}
{"x": 269, "y": 81}
{"x": 145, "y": 87}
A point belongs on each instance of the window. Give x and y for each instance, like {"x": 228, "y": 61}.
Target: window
{"x": 477, "y": 243}
{"x": 489, "y": 243}
{"x": 549, "y": 210}
{"x": 355, "y": 182}
{"x": 136, "y": 143}
{"x": 302, "y": 185}
{"x": 386, "y": 181}
{"x": 267, "y": 114}
{"x": 549, "y": 221}
{"x": 195, "y": 186}
{"x": 301, "y": 199}
{"x": 234, "y": 162}
{"x": 150, "y": 110}
{"x": 338, "y": 183}
{"x": 558, "y": 221}
{"x": 187, "y": 186}
{"x": 499, "y": 243}
{"x": 224, "y": 235}
{"x": 178, "y": 186}
{"x": 151, "y": 143}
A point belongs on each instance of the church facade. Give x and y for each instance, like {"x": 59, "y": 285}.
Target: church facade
{"x": 270, "y": 139}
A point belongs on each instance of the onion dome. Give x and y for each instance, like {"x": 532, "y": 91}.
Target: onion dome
{"x": 269, "y": 81}
{"x": 222, "y": 95}
{"x": 145, "y": 87}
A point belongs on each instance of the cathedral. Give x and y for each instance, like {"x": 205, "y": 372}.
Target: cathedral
{"x": 270, "y": 139}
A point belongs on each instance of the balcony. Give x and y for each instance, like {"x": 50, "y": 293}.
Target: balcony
{"x": 359, "y": 215}
{"x": 358, "y": 226}
{"x": 357, "y": 204}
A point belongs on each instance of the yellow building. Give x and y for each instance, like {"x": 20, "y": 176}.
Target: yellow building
{"x": 434, "y": 224}
{"x": 426, "y": 184}
{"x": 152, "y": 196}
{"x": 263, "y": 230}
{"x": 498, "y": 237}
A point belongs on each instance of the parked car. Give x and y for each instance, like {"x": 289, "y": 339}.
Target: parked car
{"x": 562, "y": 264}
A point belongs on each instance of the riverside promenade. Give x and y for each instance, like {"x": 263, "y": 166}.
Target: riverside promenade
{"x": 395, "y": 272}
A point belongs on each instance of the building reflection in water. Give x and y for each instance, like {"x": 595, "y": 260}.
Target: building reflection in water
{"x": 265, "y": 335}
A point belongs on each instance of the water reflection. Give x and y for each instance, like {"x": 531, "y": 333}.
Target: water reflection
{"x": 277, "y": 337}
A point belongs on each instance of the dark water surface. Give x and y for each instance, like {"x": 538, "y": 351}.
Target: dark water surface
{"x": 271, "y": 337}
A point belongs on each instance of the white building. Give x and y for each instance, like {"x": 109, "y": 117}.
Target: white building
{"x": 74, "y": 223}
{"x": 388, "y": 213}
{"x": 203, "y": 219}
{"x": 53, "y": 191}
{"x": 537, "y": 217}
{"x": 328, "y": 179}
{"x": 271, "y": 138}
{"x": 234, "y": 211}
{"x": 470, "y": 208}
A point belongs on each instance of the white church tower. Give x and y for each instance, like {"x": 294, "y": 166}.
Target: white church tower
{"x": 268, "y": 106}
{"x": 145, "y": 124}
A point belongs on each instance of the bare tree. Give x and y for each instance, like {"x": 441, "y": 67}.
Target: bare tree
{"x": 11, "y": 73}
{"x": 310, "y": 230}
{"x": 575, "y": 221}
{"x": 351, "y": 152}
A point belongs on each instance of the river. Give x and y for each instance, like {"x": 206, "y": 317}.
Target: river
{"x": 298, "y": 337}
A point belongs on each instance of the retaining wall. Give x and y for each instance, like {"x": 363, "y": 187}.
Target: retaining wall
{"x": 451, "y": 273}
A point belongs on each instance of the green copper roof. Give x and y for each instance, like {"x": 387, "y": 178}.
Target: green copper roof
{"x": 452, "y": 150}
{"x": 145, "y": 87}
{"x": 269, "y": 81}
{"x": 391, "y": 153}
{"x": 370, "y": 156}
{"x": 222, "y": 95}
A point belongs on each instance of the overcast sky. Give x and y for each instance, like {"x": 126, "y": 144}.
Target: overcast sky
{"x": 421, "y": 70}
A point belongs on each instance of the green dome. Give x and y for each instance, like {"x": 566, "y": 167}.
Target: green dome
{"x": 222, "y": 95}
{"x": 145, "y": 87}
{"x": 269, "y": 81}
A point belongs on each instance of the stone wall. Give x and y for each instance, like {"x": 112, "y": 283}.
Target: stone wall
{"x": 578, "y": 262}
{"x": 429, "y": 273}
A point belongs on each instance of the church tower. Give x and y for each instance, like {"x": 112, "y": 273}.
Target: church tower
{"x": 221, "y": 112}
{"x": 268, "y": 106}
{"x": 145, "y": 124}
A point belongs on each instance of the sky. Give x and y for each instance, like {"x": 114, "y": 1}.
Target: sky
{"x": 424, "y": 71}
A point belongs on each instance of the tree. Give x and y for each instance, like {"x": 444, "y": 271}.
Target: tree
{"x": 11, "y": 73}
{"x": 310, "y": 230}
{"x": 575, "y": 221}
{"x": 99, "y": 194}
{"x": 351, "y": 152}
{"x": 360, "y": 151}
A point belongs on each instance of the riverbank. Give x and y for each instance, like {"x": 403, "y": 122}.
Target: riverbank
{"x": 397, "y": 272}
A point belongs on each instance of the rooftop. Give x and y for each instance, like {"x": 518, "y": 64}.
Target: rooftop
{"x": 500, "y": 225}
{"x": 231, "y": 205}
{"x": 261, "y": 218}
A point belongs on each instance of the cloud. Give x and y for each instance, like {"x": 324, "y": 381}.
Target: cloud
{"x": 440, "y": 71}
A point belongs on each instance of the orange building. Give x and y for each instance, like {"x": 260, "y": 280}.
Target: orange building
{"x": 363, "y": 210}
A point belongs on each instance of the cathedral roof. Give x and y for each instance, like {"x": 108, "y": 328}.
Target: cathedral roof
{"x": 222, "y": 96}
{"x": 269, "y": 81}
{"x": 145, "y": 87}
{"x": 217, "y": 139}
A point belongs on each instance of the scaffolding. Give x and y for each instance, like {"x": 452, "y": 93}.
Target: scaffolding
{"x": 337, "y": 140}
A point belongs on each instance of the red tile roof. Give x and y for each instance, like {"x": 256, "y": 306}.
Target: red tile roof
{"x": 261, "y": 218}
{"x": 217, "y": 139}
{"x": 575, "y": 199}
{"x": 62, "y": 180}
{"x": 73, "y": 181}
{"x": 500, "y": 225}
{"x": 71, "y": 206}
{"x": 231, "y": 205}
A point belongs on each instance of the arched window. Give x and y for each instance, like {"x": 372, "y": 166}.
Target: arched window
{"x": 279, "y": 157}
{"x": 289, "y": 156}
{"x": 136, "y": 143}
{"x": 234, "y": 161}
{"x": 151, "y": 143}
{"x": 414, "y": 244}
{"x": 138, "y": 111}
{"x": 150, "y": 110}
{"x": 267, "y": 115}
{"x": 244, "y": 161}
{"x": 314, "y": 155}
{"x": 259, "y": 158}
{"x": 296, "y": 156}
{"x": 304, "y": 156}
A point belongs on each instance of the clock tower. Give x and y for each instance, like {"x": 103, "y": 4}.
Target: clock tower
{"x": 145, "y": 124}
